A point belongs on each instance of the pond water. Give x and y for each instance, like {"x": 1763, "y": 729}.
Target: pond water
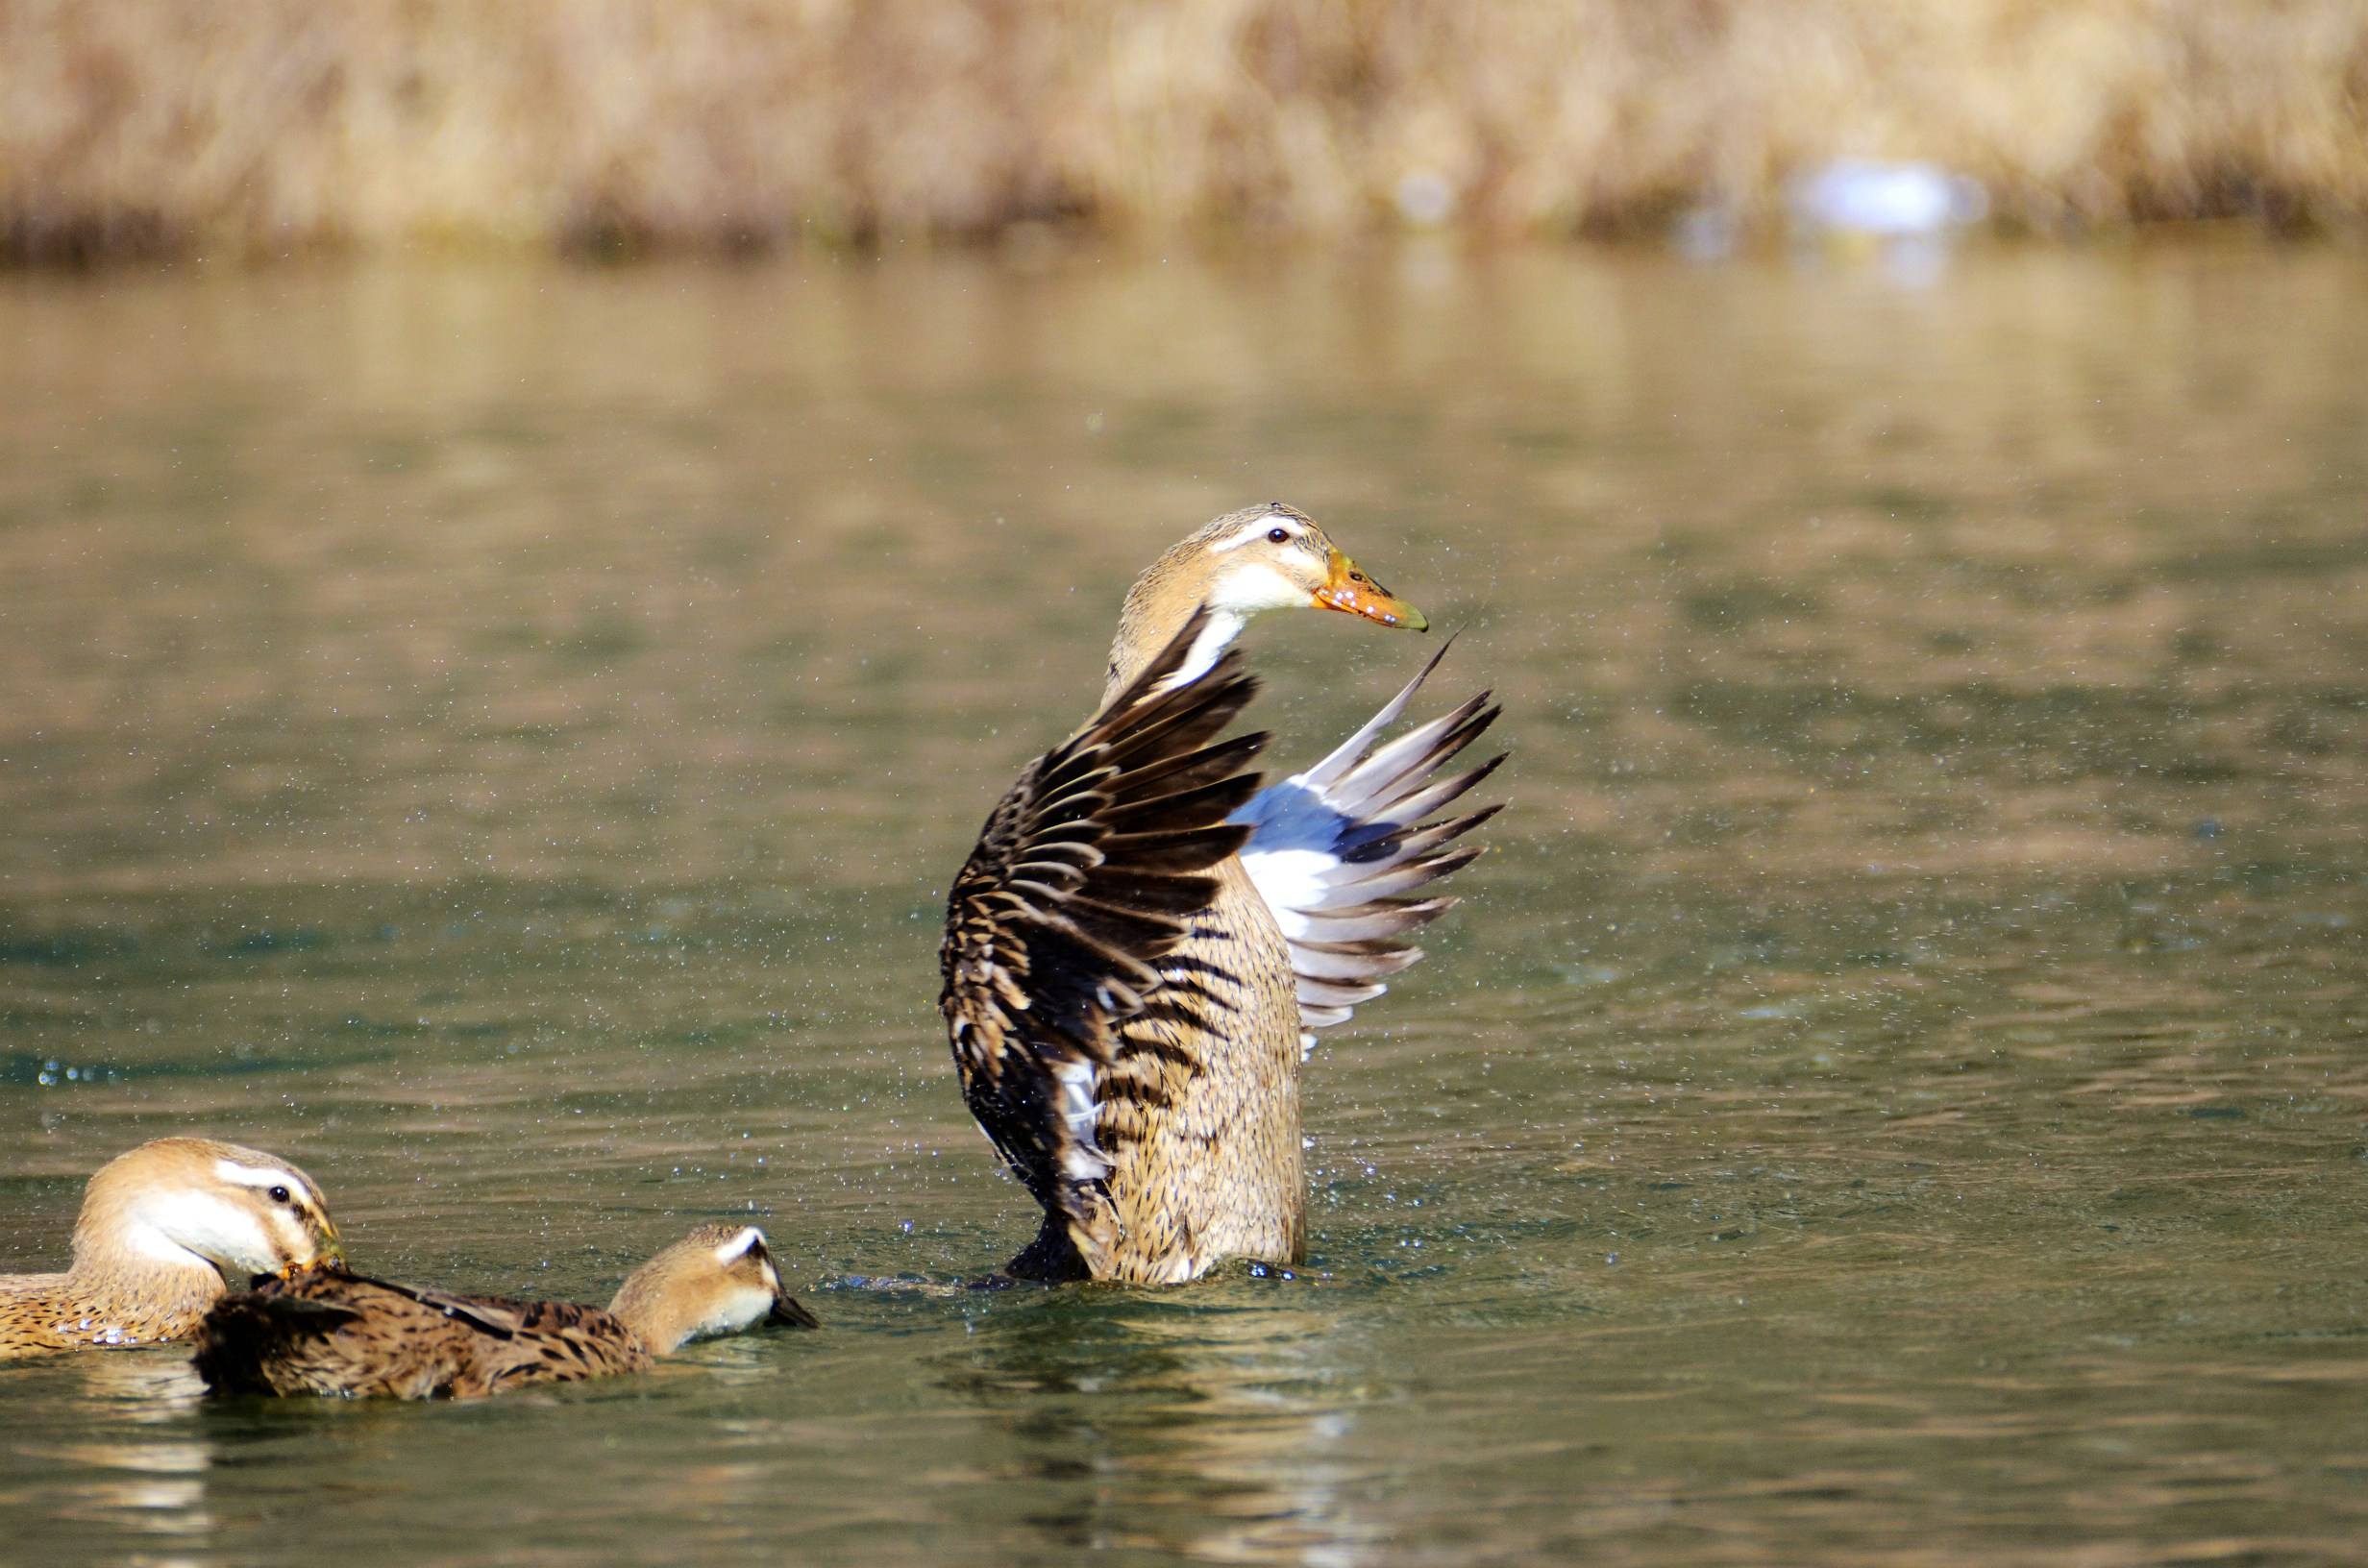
{"x": 500, "y": 737}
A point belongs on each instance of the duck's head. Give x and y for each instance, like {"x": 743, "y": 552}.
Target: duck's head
{"x": 191, "y": 1200}
{"x": 1269, "y": 557}
{"x": 1276, "y": 557}
{"x": 716, "y": 1279}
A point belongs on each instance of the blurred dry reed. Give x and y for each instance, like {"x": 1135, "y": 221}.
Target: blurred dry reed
{"x": 255, "y": 127}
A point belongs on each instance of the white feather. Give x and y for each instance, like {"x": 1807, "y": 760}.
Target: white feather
{"x": 1257, "y": 527}
{"x": 1303, "y": 833}
{"x": 1084, "y": 1161}
{"x": 738, "y": 1245}
{"x": 1222, "y": 627}
{"x": 256, "y": 1176}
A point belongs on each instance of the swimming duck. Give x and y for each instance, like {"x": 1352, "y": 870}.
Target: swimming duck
{"x": 1143, "y": 941}
{"x": 330, "y": 1331}
{"x": 165, "y": 1231}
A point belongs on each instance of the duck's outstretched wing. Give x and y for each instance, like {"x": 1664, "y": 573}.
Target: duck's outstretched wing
{"x": 1086, "y": 874}
{"x": 1337, "y": 850}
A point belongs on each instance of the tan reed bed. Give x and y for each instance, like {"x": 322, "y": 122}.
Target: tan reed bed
{"x": 255, "y": 127}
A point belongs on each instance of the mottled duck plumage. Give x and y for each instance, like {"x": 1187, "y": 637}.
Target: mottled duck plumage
{"x": 330, "y": 1332}
{"x": 1143, "y": 941}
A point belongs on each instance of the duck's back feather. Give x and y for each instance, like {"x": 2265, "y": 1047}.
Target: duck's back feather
{"x": 328, "y": 1332}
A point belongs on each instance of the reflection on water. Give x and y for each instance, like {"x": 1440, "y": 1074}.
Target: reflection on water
{"x": 499, "y": 736}
{"x": 1213, "y": 1433}
{"x": 134, "y": 1484}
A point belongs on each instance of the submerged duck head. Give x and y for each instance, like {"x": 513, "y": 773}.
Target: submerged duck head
{"x": 1267, "y": 558}
{"x": 191, "y": 1200}
{"x": 719, "y": 1279}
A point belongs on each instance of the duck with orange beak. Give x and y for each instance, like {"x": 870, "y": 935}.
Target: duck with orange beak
{"x": 1143, "y": 941}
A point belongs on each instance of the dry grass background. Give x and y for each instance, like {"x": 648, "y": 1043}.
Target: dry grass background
{"x": 255, "y": 127}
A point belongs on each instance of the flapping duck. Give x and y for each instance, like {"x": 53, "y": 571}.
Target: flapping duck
{"x": 1143, "y": 942}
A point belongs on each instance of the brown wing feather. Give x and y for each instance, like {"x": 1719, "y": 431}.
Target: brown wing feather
{"x": 1085, "y": 875}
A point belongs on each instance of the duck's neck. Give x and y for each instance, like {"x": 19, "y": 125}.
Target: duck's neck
{"x": 112, "y": 1300}
{"x": 175, "y": 1291}
{"x": 1128, "y": 658}
{"x": 1157, "y": 606}
{"x": 659, "y": 1315}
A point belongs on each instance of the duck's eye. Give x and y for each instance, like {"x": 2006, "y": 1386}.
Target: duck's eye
{"x": 1279, "y": 536}
{"x": 279, "y": 1194}
{"x": 1356, "y": 576}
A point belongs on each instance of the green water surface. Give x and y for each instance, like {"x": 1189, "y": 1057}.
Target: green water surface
{"x": 1894, "y": 1095}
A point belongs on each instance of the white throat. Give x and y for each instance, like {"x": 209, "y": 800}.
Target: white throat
{"x": 733, "y": 1310}
{"x": 197, "y": 1230}
{"x": 150, "y": 1242}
